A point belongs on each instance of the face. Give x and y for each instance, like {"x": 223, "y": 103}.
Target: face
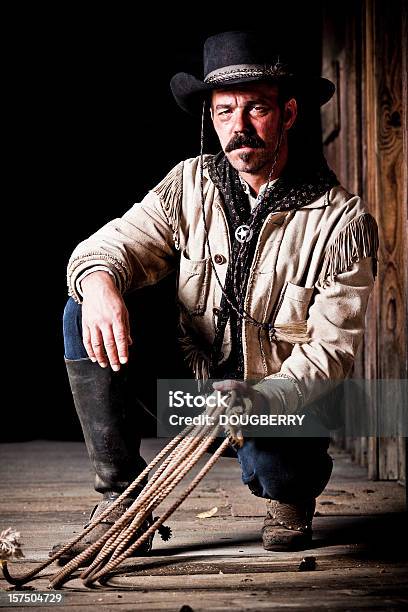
{"x": 247, "y": 122}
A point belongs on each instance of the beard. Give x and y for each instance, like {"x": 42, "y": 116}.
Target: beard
{"x": 250, "y": 162}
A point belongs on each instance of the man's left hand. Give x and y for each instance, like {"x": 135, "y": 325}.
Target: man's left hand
{"x": 258, "y": 401}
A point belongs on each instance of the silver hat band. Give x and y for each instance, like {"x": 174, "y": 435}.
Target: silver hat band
{"x": 223, "y": 75}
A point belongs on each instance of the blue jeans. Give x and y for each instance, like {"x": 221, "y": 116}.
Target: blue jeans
{"x": 286, "y": 469}
{"x": 72, "y": 329}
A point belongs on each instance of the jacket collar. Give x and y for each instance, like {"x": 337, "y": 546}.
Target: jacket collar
{"x": 321, "y": 202}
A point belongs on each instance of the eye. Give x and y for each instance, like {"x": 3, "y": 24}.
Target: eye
{"x": 258, "y": 109}
{"x": 224, "y": 114}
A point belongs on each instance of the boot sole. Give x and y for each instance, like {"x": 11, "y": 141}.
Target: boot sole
{"x": 285, "y": 547}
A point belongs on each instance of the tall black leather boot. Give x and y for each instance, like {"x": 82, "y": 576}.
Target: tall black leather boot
{"x": 112, "y": 442}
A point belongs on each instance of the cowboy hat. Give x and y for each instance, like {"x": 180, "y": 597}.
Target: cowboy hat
{"x": 232, "y": 58}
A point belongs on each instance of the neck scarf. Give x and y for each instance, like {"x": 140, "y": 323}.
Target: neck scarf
{"x": 292, "y": 190}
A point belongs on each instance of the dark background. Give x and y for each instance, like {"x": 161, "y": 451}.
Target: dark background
{"x": 92, "y": 126}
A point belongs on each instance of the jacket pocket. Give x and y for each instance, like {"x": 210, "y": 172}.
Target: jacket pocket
{"x": 293, "y": 304}
{"x": 193, "y": 284}
{"x": 290, "y": 316}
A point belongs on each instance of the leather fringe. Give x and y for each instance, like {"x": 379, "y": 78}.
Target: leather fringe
{"x": 294, "y": 333}
{"x": 357, "y": 240}
{"x": 195, "y": 358}
{"x": 195, "y": 355}
{"x": 170, "y": 191}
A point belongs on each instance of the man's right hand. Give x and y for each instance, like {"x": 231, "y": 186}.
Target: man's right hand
{"x": 105, "y": 321}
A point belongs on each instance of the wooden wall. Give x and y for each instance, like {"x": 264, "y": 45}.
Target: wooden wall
{"x": 365, "y": 139}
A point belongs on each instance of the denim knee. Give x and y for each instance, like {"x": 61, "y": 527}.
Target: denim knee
{"x": 72, "y": 329}
{"x": 285, "y": 469}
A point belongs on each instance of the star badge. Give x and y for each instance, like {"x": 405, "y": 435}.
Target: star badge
{"x": 243, "y": 233}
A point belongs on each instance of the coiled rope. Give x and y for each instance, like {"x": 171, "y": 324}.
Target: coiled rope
{"x": 177, "y": 460}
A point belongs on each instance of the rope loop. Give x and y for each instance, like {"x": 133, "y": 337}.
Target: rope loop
{"x": 118, "y": 543}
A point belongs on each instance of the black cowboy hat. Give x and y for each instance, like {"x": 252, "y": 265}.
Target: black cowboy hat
{"x": 231, "y": 58}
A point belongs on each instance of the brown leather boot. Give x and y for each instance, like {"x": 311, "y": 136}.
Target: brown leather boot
{"x": 288, "y": 526}
{"x": 103, "y": 527}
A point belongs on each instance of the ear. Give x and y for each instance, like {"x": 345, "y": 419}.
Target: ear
{"x": 290, "y": 114}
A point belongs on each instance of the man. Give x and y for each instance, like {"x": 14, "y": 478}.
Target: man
{"x": 275, "y": 265}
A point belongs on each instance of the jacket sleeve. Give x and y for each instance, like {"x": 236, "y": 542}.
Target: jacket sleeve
{"x": 336, "y": 320}
{"x": 139, "y": 248}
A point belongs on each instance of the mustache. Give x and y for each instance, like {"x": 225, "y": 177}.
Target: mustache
{"x": 245, "y": 140}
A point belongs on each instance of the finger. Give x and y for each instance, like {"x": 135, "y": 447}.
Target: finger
{"x": 86, "y": 339}
{"x": 229, "y": 385}
{"x": 121, "y": 336}
{"x": 97, "y": 346}
{"x": 129, "y": 337}
{"x": 111, "y": 348}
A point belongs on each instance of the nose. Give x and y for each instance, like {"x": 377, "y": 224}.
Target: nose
{"x": 242, "y": 123}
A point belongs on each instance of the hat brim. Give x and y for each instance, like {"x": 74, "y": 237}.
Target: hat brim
{"x": 189, "y": 91}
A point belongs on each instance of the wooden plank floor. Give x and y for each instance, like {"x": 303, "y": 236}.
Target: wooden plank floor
{"x": 216, "y": 563}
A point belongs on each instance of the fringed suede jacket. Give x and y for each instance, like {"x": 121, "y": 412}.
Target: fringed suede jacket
{"x": 310, "y": 277}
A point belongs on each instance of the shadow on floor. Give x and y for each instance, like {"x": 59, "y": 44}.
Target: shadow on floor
{"x": 380, "y": 536}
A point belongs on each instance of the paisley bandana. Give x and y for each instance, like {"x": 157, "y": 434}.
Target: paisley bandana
{"x": 292, "y": 190}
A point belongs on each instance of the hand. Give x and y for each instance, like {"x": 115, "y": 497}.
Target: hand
{"x": 254, "y": 400}
{"x": 248, "y": 401}
{"x": 105, "y": 321}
